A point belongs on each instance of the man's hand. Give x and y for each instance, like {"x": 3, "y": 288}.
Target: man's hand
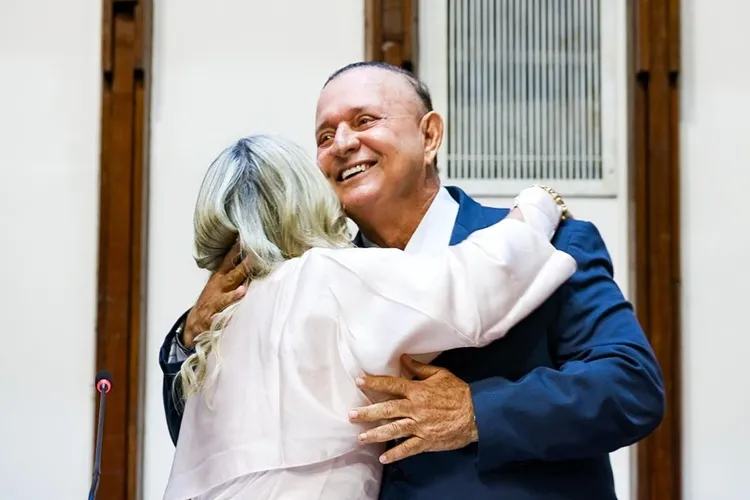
{"x": 222, "y": 289}
{"x": 435, "y": 412}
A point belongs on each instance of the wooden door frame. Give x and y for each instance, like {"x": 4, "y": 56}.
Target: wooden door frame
{"x": 126, "y": 68}
{"x": 655, "y": 210}
{"x": 391, "y": 35}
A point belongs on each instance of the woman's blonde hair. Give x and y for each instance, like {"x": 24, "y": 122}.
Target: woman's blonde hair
{"x": 268, "y": 194}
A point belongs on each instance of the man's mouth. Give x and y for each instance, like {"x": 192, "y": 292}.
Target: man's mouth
{"x": 354, "y": 171}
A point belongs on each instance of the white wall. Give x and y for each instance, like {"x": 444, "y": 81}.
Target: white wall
{"x": 715, "y": 153}
{"x": 222, "y": 70}
{"x": 49, "y": 198}
{"x": 251, "y": 71}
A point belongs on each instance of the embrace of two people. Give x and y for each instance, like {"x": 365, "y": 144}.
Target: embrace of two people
{"x": 450, "y": 350}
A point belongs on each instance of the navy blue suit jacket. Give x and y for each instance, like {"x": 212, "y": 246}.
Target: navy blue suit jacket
{"x": 573, "y": 382}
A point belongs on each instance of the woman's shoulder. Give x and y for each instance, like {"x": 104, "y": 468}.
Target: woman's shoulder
{"x": 316, "y": 261}
{"x": 328, "y": 260}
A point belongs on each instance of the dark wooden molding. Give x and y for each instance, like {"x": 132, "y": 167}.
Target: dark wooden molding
{"x": 126, "y": 41}
{"x": 391, "y": 32}
{"x": 656, "y": 213}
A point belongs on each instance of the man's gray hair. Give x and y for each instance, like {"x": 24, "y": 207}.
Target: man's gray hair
{"x": 420, "y": 88}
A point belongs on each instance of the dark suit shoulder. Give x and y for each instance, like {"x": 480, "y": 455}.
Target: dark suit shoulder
{"x": 583, "y": 241}
{"x": 581, "y": 234}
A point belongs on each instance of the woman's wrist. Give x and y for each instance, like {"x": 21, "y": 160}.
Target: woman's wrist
{"x": 557, "y": 199}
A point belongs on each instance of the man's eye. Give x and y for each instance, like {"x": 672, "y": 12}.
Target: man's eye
{"x": 364, "y": 120}
{"x": 324, "y": 138}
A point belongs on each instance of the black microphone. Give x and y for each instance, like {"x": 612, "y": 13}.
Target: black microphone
{"x": 103, "y": 385}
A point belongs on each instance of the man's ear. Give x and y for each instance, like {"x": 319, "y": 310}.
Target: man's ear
{"x": 432, "y": 135}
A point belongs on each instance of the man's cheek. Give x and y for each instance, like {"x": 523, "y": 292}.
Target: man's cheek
{"x": 325, "y": 168}
{"x": 331, "y": 181}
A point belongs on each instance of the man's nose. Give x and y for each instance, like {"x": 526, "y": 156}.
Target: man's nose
{"x": 345, "y": 141}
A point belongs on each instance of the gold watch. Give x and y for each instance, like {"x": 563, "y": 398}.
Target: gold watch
{"x": 558, "y": 199}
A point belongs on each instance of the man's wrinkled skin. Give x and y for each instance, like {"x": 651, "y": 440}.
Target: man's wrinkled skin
{"x": 433, "y": 412}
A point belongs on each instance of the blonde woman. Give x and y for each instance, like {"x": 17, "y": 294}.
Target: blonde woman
{"x": 270, "y": 385}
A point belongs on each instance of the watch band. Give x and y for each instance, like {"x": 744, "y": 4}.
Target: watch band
{"x": 558, "y": 199}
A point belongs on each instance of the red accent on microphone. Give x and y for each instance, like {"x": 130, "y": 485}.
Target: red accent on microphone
{"x": 103, "y": 386}
{"x": 103, "y": 381}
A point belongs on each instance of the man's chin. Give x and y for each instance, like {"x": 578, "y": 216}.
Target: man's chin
{"x": 359, "y": 200}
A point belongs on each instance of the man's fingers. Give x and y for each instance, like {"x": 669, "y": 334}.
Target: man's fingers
{"x": 223, "y": 301}
{"x": 229, "y": 298}
{"x": 395, "y": 408}
{"x": 392, "y": 430}
{"x": 230, "y": 259}
{"x": 210, "y": 312}
{"x": 412, "y": 446}
{"x": 417, "y": 369}
{"x": 395, "y": 386}
{"x": 238, "y": 274}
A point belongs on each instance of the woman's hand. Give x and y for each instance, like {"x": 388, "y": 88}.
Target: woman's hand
{"x": 515, "y": 214}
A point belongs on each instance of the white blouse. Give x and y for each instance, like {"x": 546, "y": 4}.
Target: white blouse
{"x": 273, "y": 424}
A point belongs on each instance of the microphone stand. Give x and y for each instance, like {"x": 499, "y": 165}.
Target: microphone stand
{"x": 98, "y": 456}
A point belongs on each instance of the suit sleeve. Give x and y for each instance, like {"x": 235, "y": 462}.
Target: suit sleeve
{"x": 170, "y": 363}
{"x": 395, "y": 303}
{"x": 608, "y": 391}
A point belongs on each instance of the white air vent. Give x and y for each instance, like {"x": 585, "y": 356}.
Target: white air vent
{"x": 530, "y": 93}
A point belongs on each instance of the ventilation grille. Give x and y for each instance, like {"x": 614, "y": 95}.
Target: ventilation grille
{"x": 524, "y": 91}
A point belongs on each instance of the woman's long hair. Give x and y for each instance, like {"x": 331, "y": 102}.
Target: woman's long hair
{"x": 268, "y": 194}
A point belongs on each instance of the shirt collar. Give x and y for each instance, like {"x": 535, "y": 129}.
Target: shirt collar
{"x": 434, "y": 231}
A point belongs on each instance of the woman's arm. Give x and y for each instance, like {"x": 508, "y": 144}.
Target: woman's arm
{"x": 394, "y": 302}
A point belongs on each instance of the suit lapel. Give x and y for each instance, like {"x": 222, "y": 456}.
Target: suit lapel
{"x": 471, "y": 216}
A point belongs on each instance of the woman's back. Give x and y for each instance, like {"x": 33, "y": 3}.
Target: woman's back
{"x": 279, "y": 401}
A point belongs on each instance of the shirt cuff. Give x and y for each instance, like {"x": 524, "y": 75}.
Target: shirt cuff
{"x": 178, "y": 352}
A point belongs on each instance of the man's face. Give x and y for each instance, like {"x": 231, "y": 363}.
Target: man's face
{"x": 370, "y": 144}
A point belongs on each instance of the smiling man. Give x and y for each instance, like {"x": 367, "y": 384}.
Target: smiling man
{"x": 369, "y": 134}
{"x": 532, "y": 416}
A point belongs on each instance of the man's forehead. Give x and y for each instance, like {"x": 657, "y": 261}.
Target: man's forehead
{"x": 364, "y": 88}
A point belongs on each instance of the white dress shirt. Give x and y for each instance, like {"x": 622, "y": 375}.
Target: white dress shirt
{"x": 273, "y": 423}
{"x": 435, "y": 229}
